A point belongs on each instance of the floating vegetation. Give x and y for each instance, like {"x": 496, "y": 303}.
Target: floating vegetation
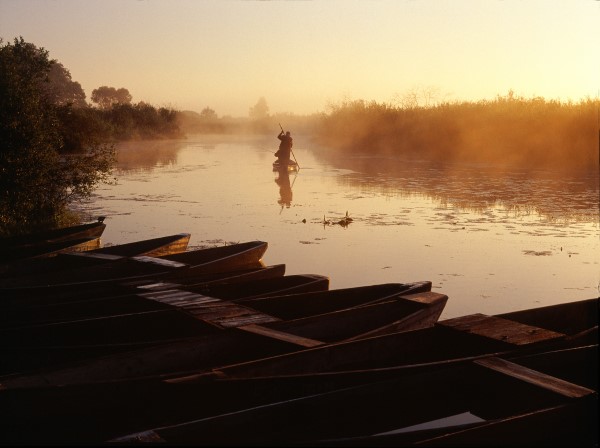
{"x": 344, "y": 222}
{"x": 541, "y": 253}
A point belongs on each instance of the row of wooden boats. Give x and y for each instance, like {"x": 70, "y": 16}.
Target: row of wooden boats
{"x": 153, "y": 342}
{"x": 404, "y": 388}
{"x": 51, "y": 242}
{"x": 201, "y": 332}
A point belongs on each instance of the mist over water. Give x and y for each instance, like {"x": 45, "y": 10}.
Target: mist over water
{"x": 531, "y": 134}
{"x": 492, "y": 240}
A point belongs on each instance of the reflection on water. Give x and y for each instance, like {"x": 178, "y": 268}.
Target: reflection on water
{"x": 285, "y": 188}
{"x": 463, "y": 418}
{"x": 478, "y": 188}
{"x": 146, "y": 155}
{"x": 492, "y": 241}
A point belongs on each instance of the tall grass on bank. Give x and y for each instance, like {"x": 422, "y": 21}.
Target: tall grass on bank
{"x": 508, "y": 131}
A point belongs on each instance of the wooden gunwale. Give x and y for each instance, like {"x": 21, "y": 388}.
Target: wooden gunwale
{"x": 90, "y": 230}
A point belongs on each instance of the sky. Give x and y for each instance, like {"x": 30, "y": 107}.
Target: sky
{"x": 303, "y": 56}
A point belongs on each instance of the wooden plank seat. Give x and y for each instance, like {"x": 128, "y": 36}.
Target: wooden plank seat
{"x": 500, "y": 329}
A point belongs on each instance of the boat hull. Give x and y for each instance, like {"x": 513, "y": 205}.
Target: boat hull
{"x": 155, "y": 247}
{"x": 174, "y": 267}
{"x": 211, "y": 333}
{"x": 49, "y": 243}
{"x": 285, "y": 167}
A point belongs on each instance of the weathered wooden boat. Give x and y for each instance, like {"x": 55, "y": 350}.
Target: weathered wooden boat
{"x": 99, "y": 412}
{"x": 212, "y": 333}
{"x": 51, "y": 250}
{"x": 46, "y": 243}
{"x": 154, "y": 247}
{"x": 413, "y": 409}
{"x": 147, "y": 300}
{"x": 90, "y": 230}
{"x": 285, "y": 285}
{"x": 54, "y": 296}
{"x": 447, "y": 341}
{"x": 169, "y": 267}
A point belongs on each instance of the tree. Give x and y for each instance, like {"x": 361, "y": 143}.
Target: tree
{"x": 61, "y": 89}
{"x": 208, "y": 114}
{"x": 39, "y": 173}
{"x": 106, "y": 97}
{"x": 260, "y": 110}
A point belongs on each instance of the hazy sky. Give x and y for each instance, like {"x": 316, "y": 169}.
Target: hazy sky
{"x": 303, "y": 55}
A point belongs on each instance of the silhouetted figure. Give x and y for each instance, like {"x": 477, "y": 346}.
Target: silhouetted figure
{"x": 285, "y": 147}
{"x": 285, "y": 189}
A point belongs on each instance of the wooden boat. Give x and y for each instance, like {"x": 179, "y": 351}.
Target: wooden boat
{"x": 99, "y": 412}
{"x": 137, "y": 405}
{"x": 48, "y": 243}
{"x": 276, "y": 286}
{"x": 414, "y": 409}
{"x": 49, "y": 250}
{"x": 154, "y": 247}
{"x": 213, "y": 333}
{"x": 23, "y": 304}
{"x": 169, "y": 267}
{"x": 290, "y": 166}
{"x": 447, "y": 341}
{"x": 145, "y": 301}
{"x": 91, "y": 230}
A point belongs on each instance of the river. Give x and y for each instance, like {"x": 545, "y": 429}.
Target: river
{"x": 493, "y": 241}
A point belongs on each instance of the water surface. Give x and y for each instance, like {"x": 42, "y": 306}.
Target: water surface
{"x": 493, "y": 241}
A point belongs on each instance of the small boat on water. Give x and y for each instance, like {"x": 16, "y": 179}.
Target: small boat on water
{"x": 156, "y": 300}
{"x": 464, "y": 404}
{"x": 23, "y": 304}
{"x": 51, "y": 242}
{"x": 291, "y": 165}
{"x": 555, "y": 387}
{"x": 211, "y": 333}
{"x": 169, "y": 267}
{"x": 447, "y": 341}
{"x": 154, "y": 247}
{"x": 90, "y": 230}
{"x": 276, "y": 286}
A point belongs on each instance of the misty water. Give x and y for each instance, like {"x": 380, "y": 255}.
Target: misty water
{"x": 493, "y": 241}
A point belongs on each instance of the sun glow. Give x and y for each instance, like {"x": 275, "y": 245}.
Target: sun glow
{"x": 301, "y": 56}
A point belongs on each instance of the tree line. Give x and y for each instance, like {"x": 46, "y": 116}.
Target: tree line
{"x": 55, "y": 148}
{"x": 258, "y": 121}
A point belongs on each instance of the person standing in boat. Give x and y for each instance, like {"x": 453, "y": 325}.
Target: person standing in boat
{"x": 285, "y": 147}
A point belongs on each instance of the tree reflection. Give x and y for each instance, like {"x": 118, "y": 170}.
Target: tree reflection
{"x": 146, "y": 155}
